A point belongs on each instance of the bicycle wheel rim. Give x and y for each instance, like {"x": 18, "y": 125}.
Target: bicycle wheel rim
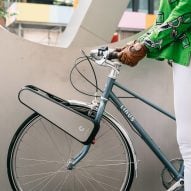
{"x": 83, "y": 171}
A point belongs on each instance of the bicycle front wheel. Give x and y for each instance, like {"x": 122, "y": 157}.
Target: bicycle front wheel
{"x": 39, "y": 153}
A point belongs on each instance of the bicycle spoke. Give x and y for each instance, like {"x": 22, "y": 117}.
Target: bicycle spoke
{"x": 40, "y": 164}
{"x": 52, "y": 140}
{"x": 90, "y": 177}
{"x": 62, "y": 183}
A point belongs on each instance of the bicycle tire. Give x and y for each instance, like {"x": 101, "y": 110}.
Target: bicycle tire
{"x": 39, "y": 151}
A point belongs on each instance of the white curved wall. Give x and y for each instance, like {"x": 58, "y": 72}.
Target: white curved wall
{"x": 93, "y": 23}
{"x": 23, "y": 62}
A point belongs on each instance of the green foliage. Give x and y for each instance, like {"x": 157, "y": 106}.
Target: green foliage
{"x": 3, "y": 11}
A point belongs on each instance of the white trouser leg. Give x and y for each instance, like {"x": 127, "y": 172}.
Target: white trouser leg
{"x": 182, "y": 104}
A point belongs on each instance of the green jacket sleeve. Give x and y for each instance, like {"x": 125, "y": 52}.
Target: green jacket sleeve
{"x": 178, "y": 22}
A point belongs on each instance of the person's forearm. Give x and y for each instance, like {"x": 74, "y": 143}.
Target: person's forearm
{"x": 178, "y": 22}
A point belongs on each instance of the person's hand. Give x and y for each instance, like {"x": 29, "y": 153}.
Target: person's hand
{"x": 132, "y": 53}
{"x": 119, "y": 49}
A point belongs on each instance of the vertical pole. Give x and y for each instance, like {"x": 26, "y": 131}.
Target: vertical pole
{"x": 135, "y": 5}
{"x": 150, "y": 6}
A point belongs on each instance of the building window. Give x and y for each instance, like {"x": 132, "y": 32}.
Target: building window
{"x": 56, "y": 2}
{"x": 38, "y": 1}
{"x": 156, "y": 4}
{"x": 149, "y": 6}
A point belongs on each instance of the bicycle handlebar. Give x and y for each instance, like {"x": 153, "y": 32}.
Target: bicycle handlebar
{"x": 105, "y": 57}
{"x": 113, "y": 55}
{"x": 103, "y": 53}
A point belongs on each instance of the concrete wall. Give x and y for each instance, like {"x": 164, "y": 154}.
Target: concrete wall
{"x": 23, "y": 62}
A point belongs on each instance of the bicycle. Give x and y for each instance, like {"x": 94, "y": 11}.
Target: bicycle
{"x": 90, "y": 149}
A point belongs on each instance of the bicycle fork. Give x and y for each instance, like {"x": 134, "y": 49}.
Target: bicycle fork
{"x": 72, "y": 162}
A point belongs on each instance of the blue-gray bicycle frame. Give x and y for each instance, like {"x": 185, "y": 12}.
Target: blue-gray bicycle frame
{"x": 109, "y": 95}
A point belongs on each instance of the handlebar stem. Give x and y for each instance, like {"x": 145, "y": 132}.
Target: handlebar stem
{"x": 115, "y": 69}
